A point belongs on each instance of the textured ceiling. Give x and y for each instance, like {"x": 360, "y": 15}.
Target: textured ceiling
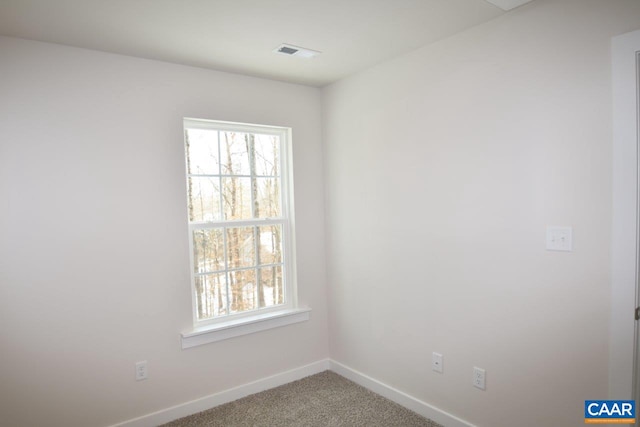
{"x": 240, "y": 35}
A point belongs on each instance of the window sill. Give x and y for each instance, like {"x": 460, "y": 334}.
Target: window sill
{"x": 247, "y": 325}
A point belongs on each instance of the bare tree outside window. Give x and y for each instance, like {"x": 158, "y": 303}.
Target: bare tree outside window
{"x": 235, "y": 213}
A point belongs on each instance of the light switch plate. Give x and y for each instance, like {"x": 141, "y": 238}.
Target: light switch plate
{"x": 436, "y": 362}
{"x": 560, "y": 239}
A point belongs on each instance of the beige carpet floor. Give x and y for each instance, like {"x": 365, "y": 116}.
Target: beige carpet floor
{"x": 324, "y": 399}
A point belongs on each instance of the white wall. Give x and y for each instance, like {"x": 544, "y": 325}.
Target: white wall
{"x": 443, "y": 168}
{"x": 94, "y": 269}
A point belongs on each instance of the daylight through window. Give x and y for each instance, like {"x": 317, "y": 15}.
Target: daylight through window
{"x": 239, "y": 219}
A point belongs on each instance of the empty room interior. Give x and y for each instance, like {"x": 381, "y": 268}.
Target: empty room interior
{"x": 449, "y": 221}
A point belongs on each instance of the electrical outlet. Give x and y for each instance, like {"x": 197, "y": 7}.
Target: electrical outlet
{"x": 479, "y": 377}
{"x": 560, "y": 239}
{"x": 141, "y": 370}
{"x": 436, "y": 362}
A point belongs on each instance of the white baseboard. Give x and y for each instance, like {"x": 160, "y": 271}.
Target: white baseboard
{"x": 208, "y": 402}
{"x": 401, "y": 398}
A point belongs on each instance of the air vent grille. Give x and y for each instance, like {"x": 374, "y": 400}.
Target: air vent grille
{"x": 300, "y": 52}
{"x": 287, "y": 50}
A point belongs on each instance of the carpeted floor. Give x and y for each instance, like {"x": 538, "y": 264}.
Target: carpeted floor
{"x": 324, "y": 399}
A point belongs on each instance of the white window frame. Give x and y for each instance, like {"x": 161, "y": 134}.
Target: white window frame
{"x": 231, "y": 325}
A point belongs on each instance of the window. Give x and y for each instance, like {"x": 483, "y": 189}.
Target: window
{"x": 240, "y": 220}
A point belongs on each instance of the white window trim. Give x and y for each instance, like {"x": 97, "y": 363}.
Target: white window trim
{"x": 218, "y": 329}
{"x": 243, "y": 326}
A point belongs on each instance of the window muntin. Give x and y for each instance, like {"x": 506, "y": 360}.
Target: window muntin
{"x": 239, "y": 219}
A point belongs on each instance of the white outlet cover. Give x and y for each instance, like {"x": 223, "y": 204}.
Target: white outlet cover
{"x": 479, "y": 378}
{"x": 141, "y": 370}
{"x": 559, "y": 239}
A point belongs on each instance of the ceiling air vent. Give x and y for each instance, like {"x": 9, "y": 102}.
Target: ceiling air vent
{"x": 300, "y": 52}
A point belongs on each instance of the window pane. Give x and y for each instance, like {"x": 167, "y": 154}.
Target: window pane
{"x": 268, "y": 198}
{"x": 233, "y": 184}
{"x": 240, "y": 247}
{"x": 204, "y": 199}
{"x": 234, "y": 151}
{"x": 243, "y": 290}
{"x": 208, "y": 250}
{"x": 267, "y": 155}
{"x": 236, "y": 197}
{"x": 270, "y": 244}
{"x": 271, "y": 289}
{"x": 202, "y": 152}
{"x": 211, "y": 295}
